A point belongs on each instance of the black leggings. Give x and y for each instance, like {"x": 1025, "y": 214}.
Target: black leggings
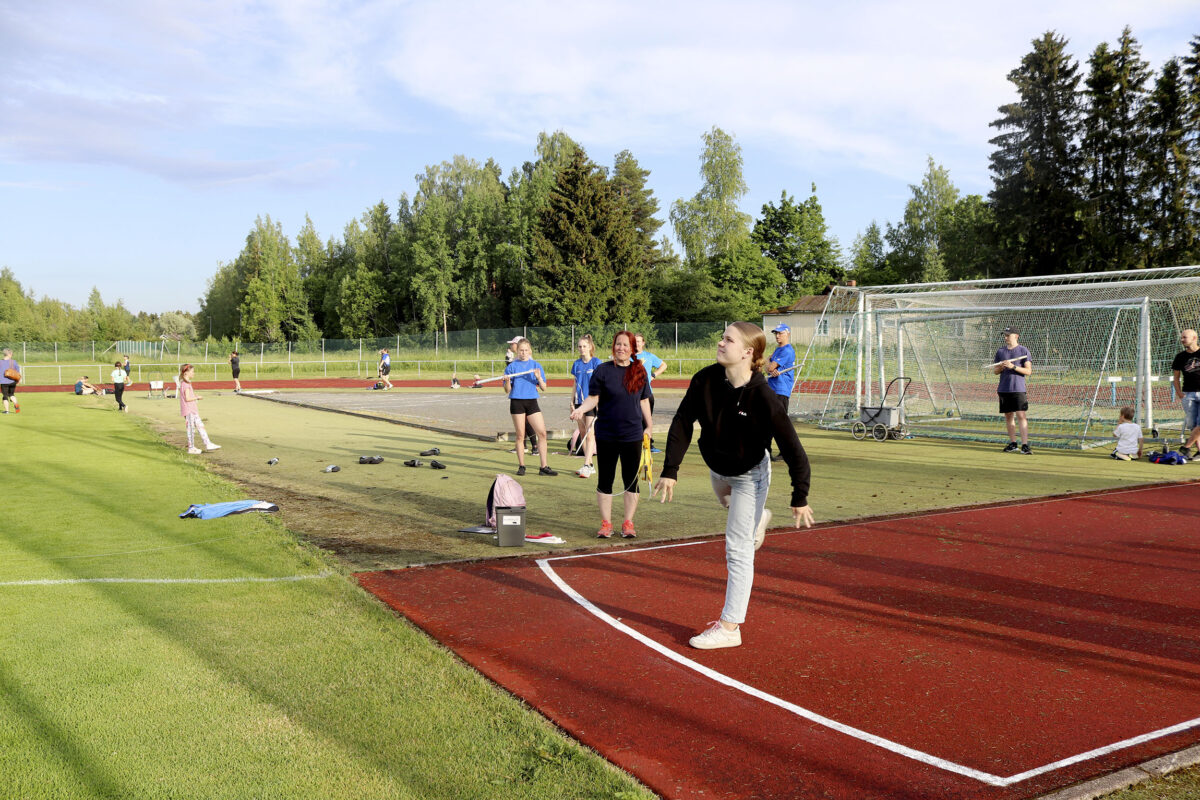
{"x": 118, "y": 392}
{"x": 608, "y": 453}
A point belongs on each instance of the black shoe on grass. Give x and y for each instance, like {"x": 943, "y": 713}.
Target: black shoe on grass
{"x": 1011, "y": 447}
{"x": 520, "y": 470}
{"x": 546, "y": 471}
{"x": 1025, "y": 450}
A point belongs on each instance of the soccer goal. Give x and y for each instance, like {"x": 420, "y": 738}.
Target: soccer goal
{"x": 1098, "y": 342}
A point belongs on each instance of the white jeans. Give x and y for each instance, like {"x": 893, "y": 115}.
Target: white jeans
{"x": 747, "y": 499}
{"x": 194, "y": 425}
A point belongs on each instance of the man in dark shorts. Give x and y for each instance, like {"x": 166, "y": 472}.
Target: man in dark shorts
{"x": 235, "y": 366}
{"x": 1185, "y": 378}
{"x": 1013, "y": 365}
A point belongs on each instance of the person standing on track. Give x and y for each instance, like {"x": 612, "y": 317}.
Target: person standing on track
{"x": 235, "y": 366}
{"x": 1013, "y": 366}
{"x": 738, "y": 416}
{"x": 8, "y": 386}
{"x": 119, "y": 377}
{"x": 784, "y": 358}
{"x": 582, "y": 369}
{"x": 522, "y": 392}
{"x": 620, "y": 392}
{"x": 1185, "y": 378}
{"x": 385, "y": 368}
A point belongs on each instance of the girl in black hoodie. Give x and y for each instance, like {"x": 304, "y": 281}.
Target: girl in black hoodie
{"x": 738, "y": 417}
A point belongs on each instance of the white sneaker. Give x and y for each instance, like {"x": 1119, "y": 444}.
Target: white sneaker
{"x": 715, "y": 636}
{"x": 212, "y": 447}
{"x": 193, "y": 451}
{"x": 585, "y": 471}
{"x": 760, "y": 533}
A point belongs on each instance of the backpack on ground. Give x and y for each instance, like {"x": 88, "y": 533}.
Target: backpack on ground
{"x": 1168, "y": 457}
{"x": 505, "y": 493}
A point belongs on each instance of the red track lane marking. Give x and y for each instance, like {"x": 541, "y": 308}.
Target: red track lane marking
{"x": 870, "y": 738}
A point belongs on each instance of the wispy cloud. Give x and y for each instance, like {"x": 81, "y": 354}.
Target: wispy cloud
{"x": 870, "y": 84}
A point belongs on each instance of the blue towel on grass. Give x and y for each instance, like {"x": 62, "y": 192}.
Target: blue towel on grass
{"x": 214, "y": 510}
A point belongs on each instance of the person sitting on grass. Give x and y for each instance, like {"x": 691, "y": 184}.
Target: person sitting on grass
{"x": 82, "y": 386}
{"x": 1129, "y": 437}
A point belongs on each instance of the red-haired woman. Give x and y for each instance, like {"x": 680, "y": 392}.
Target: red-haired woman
{"x": 738, "y": 417}
{"x": 621, "y": 393}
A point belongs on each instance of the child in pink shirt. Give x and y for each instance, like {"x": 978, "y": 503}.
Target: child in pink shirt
{"x": 191, "y": 412}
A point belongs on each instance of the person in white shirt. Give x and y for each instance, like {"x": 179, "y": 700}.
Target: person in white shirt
{"x": 1129, "y": 437}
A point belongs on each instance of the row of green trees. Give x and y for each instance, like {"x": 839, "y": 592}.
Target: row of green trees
{"x": 561, "y": 240}
{"x": 1090, "y": 174}
{"x": 25, "y": 318}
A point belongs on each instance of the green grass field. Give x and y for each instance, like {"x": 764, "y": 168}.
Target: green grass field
{"x": 309, "y": 687}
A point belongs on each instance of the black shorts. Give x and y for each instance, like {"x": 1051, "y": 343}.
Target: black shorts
{"x": 385, "y": 369}
{"x": 525, "y": 407}
{"x": 7, "y": 389}
{"x": 237, "y": 374}
{"x": 1012, "y": 401}
{"x": 586, "y": 414}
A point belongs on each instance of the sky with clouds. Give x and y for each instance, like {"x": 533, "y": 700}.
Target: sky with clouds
{"x": 139, "y": 140}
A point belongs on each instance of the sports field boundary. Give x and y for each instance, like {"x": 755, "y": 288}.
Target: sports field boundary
{"x": 1130, "y": 776}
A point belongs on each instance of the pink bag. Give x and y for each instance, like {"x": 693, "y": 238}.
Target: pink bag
{"x": 505, "y": 493}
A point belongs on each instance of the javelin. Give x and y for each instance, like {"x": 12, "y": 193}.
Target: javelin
{"x": 789, "y": 369}
{"x": 502, "y": 377}
{"x": 1005, "y": 361}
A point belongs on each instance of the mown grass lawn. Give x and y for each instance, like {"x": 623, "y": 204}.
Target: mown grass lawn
{"x": 275, "y": 689}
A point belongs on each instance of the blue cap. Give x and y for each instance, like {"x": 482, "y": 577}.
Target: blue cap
{"x": 781, "y": 328}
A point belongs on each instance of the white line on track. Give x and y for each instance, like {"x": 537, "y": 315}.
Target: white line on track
{"x": 870, "y": 738}
{"x": 170, "y": 581}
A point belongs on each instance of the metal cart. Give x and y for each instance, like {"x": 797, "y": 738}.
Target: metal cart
{"x": 883, "y": 421}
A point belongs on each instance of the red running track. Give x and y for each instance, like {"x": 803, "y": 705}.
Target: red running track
{"x": 996, "y": 652}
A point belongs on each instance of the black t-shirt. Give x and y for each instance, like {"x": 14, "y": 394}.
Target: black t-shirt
{"x": 619, "y": 413}
{"x": 1188, "y": 366}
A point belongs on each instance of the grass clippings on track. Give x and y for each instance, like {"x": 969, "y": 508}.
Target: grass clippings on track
{"x": 290, "y": 689}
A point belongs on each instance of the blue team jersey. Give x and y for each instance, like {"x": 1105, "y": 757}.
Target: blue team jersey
{"x": 524, "y": 387}
{"x": 384, "y": 360}
{"x": 651, "y": 362}
{"x": 582, "y": 370}
{"x": 784, "y": 356}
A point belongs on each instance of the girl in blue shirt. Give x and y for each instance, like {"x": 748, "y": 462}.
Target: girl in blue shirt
{"x": 523, "y": 405}
{"x": 582, "y": 369}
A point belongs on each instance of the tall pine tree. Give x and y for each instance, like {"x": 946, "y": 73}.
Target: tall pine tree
{"x": 588, "y": 267}
{"x": 1170, "y": 224}
{"x": 1114, "y": 137}
{"x": 1036, "y": 165}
